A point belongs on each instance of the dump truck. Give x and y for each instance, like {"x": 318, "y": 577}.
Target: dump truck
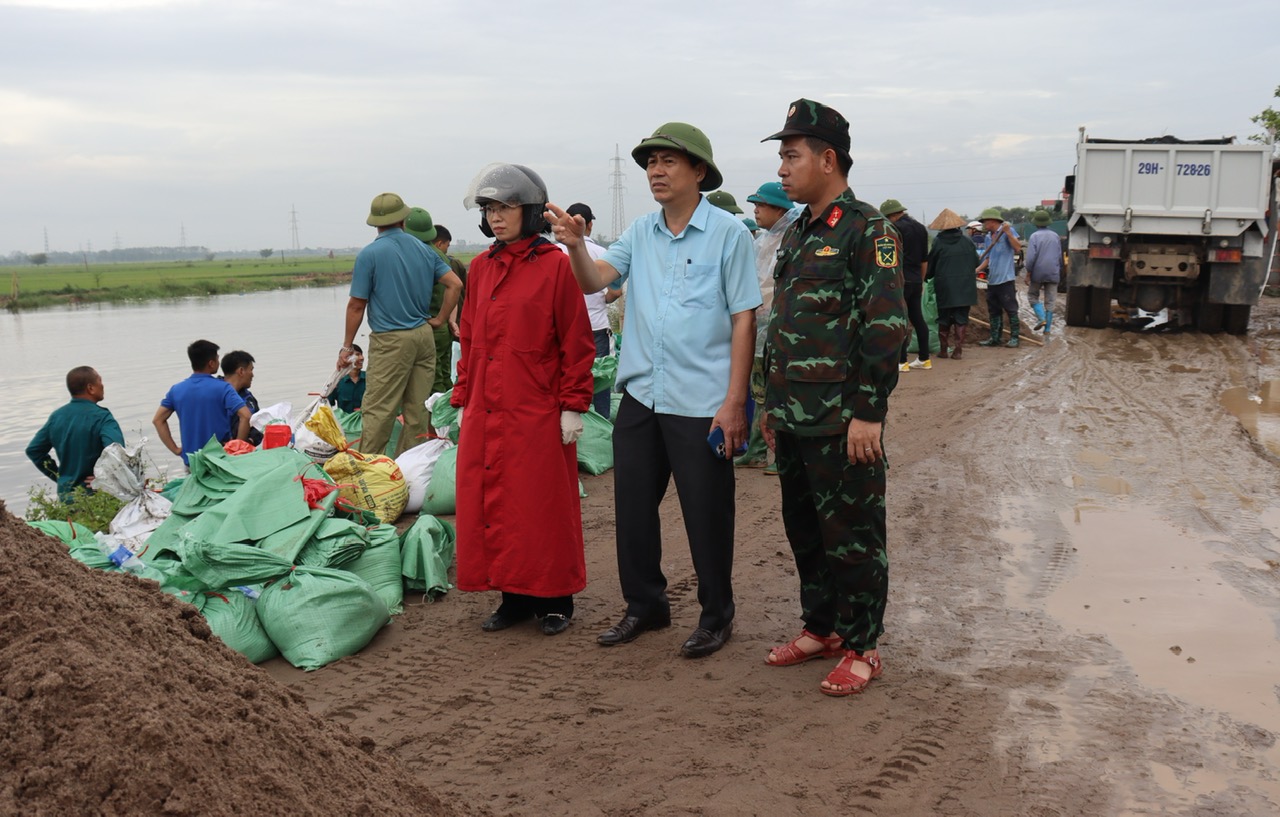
{"x": 1164, "y": 223}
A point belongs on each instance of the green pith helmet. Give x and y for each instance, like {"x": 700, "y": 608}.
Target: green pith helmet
{"x": 991, "y": 214}
{"x": 725, "y": 201}
{"x": 751, "y": 224}
{"x": 891, "y": 206}
{"x": 386, "y": 209}
{"x": 686, "y": 138}
{"x": 419, "y": 225}
{"x": 1041, "y": 218}
{"x": 771, "y": 193}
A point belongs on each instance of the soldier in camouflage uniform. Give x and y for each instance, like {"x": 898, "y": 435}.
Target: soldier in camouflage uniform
{"x": 832, "y": 359}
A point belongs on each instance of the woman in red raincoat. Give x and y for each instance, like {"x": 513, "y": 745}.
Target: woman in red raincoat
{"x": 524, "y": 381}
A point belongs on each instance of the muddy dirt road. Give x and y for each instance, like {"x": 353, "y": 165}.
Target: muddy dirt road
{"x": 1084, "y": 602}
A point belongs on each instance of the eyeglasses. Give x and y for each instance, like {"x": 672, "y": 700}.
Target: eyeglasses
{"x": 498, "y": 209}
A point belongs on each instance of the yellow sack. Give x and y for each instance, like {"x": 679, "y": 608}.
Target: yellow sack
{"x": 374, "y": 483}
{"x": 325, "y": 426}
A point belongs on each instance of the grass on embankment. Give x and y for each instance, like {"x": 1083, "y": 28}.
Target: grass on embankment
{"x": 145, "y": 281}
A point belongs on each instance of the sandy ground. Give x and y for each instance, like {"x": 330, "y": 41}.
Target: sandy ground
{"x": 1082, "y": 621}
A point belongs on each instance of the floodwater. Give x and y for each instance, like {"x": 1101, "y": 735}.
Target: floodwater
{"x": 140, "y": 350}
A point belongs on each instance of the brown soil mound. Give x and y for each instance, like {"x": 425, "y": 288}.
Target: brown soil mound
{"x": 116, "y": 699}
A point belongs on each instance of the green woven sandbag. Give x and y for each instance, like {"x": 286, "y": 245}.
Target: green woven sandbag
{"x": 379, "y": 565}
{"x": 443, "y": 414}
{"x": 316, "y": 615}
{"x": 351, "y": 423}
{"x": 604, "y": 371}
{"x": 221, "y": 565}
{"x": 233, "y": 618}
{"x": 335, "y": 543}
{"x": 442, "y": 496}
{"x": 69, "y": 533}
{"x": 426, "y": 553}
{"x": 595, "y": 447}
{"x": 87, "y": 552}
{"x": 172, "y": 487}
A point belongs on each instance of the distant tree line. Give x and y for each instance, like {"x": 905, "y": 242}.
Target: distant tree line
{"x": 144, "y": 254}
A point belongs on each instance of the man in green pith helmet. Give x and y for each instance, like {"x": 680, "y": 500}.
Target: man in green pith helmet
{"x": 915, "y": 247}
{"x": 684, "y": 372}
{"x": 392, "y": 280}
{"x": 1044, "y": 269}
{"x": 838, "y": 324}
{"x": 998, "y": 262}
{"x": 420, "y": 225}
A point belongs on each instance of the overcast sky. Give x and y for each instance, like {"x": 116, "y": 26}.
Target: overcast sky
{"x": 132, "y": 123}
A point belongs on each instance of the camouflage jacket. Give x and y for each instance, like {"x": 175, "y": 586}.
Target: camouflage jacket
{"x": 839, "y": 320}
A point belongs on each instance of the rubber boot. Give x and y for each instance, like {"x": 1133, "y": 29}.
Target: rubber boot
{"x": 959, "y": 347}
{"x": 997, "y": 326}
{"x": 942, "y": 340}
{"x": 1038, "y": 308}
{"x": 1048, "y": 321}
{"x": 1013, "y": 332}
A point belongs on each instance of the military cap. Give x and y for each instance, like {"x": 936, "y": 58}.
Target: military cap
{"x": 1041, "y": 218}
{"x": 386, "y": 209}
{"x": 725, "y": 201}
{"x": 991, "y": 214}
{"x": 808, "y": 118}
{"x": 419, "y": 225}
{"x": 771, "y": 193}
{"x": 892, "y": 206}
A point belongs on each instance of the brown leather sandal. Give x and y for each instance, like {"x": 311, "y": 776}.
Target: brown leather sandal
{"x": 790, "y": 654}
{"x": 844, "y": 682}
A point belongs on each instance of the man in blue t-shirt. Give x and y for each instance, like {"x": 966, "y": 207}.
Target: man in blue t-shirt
{"x": 392, "y": 279}
{"x": 203, "y": 403}
{"x": 1000, "y": 264}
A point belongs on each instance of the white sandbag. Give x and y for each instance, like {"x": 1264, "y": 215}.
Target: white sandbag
{"x": 119, "y": 473}
{"x": 417, "y": 464}
{"x": 277, "y": 413}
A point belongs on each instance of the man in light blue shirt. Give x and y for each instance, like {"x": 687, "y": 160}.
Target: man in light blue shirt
{"x": 691, "y": 299}
{"x": 393, "y": 279}
{"x": 999, "y": 261}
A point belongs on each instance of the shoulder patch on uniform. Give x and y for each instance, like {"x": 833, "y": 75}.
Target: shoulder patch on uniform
{"x": 827, "y": 252}
{"x": 886, "y": 251}
{"x": 836, "y": 215}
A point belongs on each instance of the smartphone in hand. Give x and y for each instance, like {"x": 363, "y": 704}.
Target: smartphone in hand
{"x": 716, "y": 440}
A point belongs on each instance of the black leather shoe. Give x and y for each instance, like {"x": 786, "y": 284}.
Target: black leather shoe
{"x": 501, "y": 621}
{"x": 703, "y": 642}
{"x": 554, "y": 623}
{"x": 631, "y": 627}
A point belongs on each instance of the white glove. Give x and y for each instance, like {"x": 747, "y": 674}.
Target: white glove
{"x": 570, "y": 426}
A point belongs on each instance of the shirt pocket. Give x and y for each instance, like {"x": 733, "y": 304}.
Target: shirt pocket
{"x": 820, "y": 316}
{"x": 700, "y": 286}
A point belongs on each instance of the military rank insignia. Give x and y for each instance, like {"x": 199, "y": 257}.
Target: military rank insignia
{"x": 886, "y": 251}
{"x": 834, "y": 218}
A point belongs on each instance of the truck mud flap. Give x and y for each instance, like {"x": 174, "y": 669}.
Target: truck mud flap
{"x": 1087, "y": 272}
{"x": 1237, "y": 283}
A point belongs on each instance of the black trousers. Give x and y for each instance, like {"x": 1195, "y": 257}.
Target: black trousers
{"x": 913, "y": 294}
{"x": 648, "y": 450}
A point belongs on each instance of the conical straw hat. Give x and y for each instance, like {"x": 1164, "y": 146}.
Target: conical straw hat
{"x": 947, "y": 220}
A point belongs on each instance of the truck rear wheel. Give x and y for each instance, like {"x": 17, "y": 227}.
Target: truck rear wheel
{"x": 1077, "y": 306}
{"x": 1236, "y": 318}
{"x": 1208, "y": 316}
{"x": 1099, "y": 307}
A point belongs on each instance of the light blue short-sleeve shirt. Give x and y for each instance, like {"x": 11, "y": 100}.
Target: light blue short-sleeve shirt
{"x": 1001, "y": 265}
{"x": 681, "y": 291}
{"x": 396, "y": 274}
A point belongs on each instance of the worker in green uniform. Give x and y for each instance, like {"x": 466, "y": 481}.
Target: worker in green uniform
{"x": 76, "y": 433}
{"x": 839, "y": 320}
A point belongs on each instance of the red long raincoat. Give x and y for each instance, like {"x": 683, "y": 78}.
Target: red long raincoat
{"x": 527, "y": 351}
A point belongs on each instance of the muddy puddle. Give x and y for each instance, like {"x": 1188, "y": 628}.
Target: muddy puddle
{"x": 1155, "y": 594}
{"x": 1259, "y": 414}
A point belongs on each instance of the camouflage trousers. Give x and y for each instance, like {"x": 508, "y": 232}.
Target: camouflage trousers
{"x": 834, "y": 515}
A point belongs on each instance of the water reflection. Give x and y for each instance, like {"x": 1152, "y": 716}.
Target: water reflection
{"x": 140, "y": 350}
{"x": 1259, "y": 414}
